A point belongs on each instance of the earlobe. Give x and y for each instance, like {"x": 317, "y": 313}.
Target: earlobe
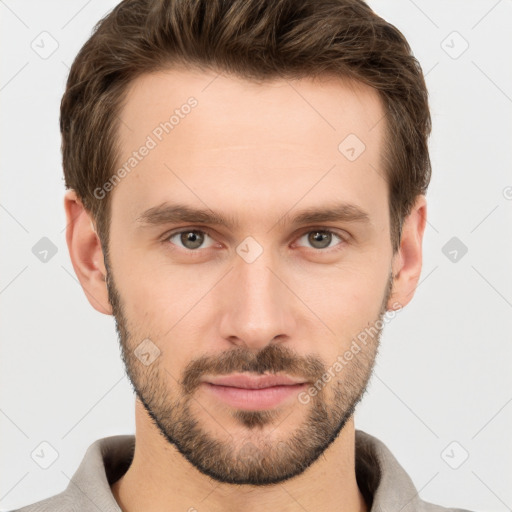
{"x": 407, "y": 262}
{"x": 86, "y": 253}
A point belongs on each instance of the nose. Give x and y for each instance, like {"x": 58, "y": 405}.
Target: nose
{"x": 257, "y": 307}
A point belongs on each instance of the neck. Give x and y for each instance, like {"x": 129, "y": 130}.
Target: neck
{"x": 160, "y": 479}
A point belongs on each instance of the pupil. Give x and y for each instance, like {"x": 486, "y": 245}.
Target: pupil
{"x": 192, "y": 239}
{"x": 321, "y": 237}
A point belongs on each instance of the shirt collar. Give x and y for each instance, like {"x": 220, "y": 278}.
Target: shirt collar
{"x": 383, "y": 482}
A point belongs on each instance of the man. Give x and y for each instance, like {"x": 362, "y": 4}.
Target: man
{"x": 246, "y": 196}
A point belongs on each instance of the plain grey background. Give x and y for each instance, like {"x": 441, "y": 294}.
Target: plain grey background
{"x": 441, "y": 394}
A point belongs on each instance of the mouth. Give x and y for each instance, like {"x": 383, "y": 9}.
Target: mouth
{"x": 254, "y": 392}
{"x": 248, "y": 381}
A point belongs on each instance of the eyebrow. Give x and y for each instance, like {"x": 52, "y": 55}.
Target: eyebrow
{"x": 167, "y": 213}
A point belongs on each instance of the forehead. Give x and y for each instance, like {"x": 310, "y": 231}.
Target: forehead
{"x": 209, "y": 131}
{"x": 326, "y": 104}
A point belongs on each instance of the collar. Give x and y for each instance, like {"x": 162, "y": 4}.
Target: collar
{"x": 383, "y": 482}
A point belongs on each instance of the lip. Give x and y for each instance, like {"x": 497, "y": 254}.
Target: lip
{"x": 247, "y": 381}
{"x": 254, "y": 393}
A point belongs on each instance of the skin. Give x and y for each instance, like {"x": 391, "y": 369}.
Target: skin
{"x": 254, "y": 152}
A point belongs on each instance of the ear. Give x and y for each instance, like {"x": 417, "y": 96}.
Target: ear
{"x": 407, "y": 261}
{"x": 86, "y": 253}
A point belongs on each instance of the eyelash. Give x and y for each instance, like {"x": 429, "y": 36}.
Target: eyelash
{"x": 343, "y": 240}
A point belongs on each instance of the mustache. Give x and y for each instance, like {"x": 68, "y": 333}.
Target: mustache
{"x": 271, "y": 359}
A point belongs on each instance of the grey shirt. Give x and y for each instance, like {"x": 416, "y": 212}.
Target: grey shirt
{"x": 383, "y": 482}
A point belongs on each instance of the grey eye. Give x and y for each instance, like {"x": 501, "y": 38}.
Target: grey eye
{"x": 320, "y": 239}
{"x": 190, "y": 239}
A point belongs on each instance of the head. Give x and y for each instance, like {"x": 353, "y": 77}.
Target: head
{"x": 299, "y": 128}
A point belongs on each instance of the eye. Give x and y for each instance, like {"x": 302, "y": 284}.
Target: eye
{"x": 321, "y": 238}
{"x": 193, "y": 239}
{"x": 190, "y": 239}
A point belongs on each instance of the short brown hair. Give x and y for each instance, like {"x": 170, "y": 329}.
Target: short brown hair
{"x": 255, "y": 40}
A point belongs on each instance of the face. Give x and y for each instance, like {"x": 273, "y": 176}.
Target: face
{"x": 298, "y": 268}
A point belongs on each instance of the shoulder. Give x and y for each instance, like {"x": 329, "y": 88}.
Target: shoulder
{"x": 66, "y": 502}
{"x": 384, "y": 482}
{"x": 56, "y": 503}
{"x": 431, "y": 507}
{"x": 89, "y": 489}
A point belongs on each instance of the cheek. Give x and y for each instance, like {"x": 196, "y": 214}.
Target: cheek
{"x": 173, "y": 303}
{"x": 346, "y": 302}
{"x": 170, "y": 307}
